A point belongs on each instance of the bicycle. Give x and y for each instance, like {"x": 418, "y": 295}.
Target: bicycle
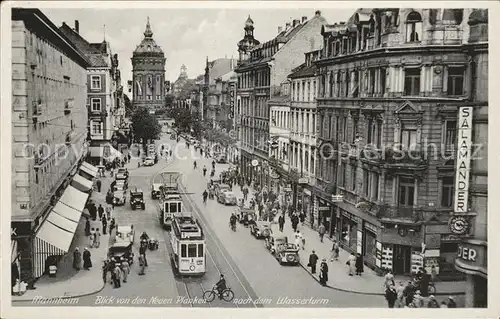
{"x": 227, "y": 294}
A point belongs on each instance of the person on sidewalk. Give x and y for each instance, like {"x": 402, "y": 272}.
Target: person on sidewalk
{"x": 87, "y": 262}
{"x": 313, "y": 260}
{"x": 99, "y": 184}
{"x": 100, "y": 211}
{"x": 323, "y": 276}
{"x": 204, "y": 170}
{"x": 451, "y": 302}
{"x": 245, "y": 193}
{"x": 400, "y": 290}
{"x": 295, "y": 222}
{"x": 142, "y": 252}
{"x": 104, "y": 269}
{"x": 409, "y": 292}
{"x": 117, "y": 276}
{"x": 87, "y": 226}
{"x": 91, "y": 239}
{"x": 335, "y": 251}
{"x": 321, "y": 231}
{"x": 77, "y": 259}
{"x": 97, "y": 238}
{"x": 351, "y": 263}
{"x": 359, "y": 264}
{"x": 302, "y": 217}
{"x": 388, "y": 280}
{"x": 391, "y": 296}
{"x": 432, "y": 302}
{"x": 298, "y": 239}
{"x": 125, "y": 269}
{"x": 104, "y": 222}
{"x": 142, "y": 265}
{"x": 281, "y": 222}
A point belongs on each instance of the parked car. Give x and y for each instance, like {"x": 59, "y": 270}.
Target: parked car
{"x": 226, "y": 197}
{"x": 275, "y": 243}
{"x": 125, "y": 233}
{"x": 149, "y": 161}
{"x": 221, "y": 159}
{"x": 119, "y": 197}
{"x": 260, "y": 229}
{"x": 137, "y": 199}
{"x": 121, "y": 174}
{"x": 288, "y": 254}
{"x": 219, "y": 188}
{"x": 120, "y": 185}
{"x": 155, "y": 190}
{"x": 119, "y": 250}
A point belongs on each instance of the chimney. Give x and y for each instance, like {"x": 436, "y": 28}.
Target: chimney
{"x": 317, "y": 13}
{"x": 296, "y": 22}
{"x": 280, "y": 29}
{"x": 304, "y": 19}
{"x": 77, "y": 26}
{"x": 287, "y": 27}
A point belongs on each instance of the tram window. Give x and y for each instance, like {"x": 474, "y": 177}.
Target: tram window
{"x": 183, "y": 250}
{"x": 191, "y": 250}
{"x": 179, "y": 207}
{"x": 173, "y": 208}
{"x": 200, "y": 250}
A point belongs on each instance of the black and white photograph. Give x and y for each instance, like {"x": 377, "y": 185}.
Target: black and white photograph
{"x": 231, "y": 155}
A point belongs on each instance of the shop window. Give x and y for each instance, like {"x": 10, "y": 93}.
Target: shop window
{"x": 447, "y": 192}
{"x": 412, "y": 81}
{"x": 450, "y": 135}
{"x": 455, "y": 81}
{"x": 413, "y": 27}
{"x": 406, "y": 192}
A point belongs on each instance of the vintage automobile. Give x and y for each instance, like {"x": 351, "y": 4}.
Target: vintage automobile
{"x": 260, "y": 229}
{"x": 120, "y": 185}
{"x": 121, "y": 174}
{"x": 149, "y": 161}
{"x": 219, "y": 188}
{"x": 227, "y": 197}
{"x": 137, "y": 199}
{"x": 119, "y": 197}
{"x": 245, "y": 215}
{"x": 121, "y": 249}
{"x": 275, "y": 242}
{"x": 155, "y": 190}
{"x": 288, "y": 254}
{"x": 125, "y": 233}
{"x": 173, "y": 136}
{"x": 221, "y": 159}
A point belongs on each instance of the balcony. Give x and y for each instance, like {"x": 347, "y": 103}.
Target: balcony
{"x": 401, "y": 213}
{"x": 100, "y": 113}
{"x": 392, "y": 158}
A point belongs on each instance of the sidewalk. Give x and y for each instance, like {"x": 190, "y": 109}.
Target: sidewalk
{"x": 68, "y": 282}
{"x": 369, "y": 283}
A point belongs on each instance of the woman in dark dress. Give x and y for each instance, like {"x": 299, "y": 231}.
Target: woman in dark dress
{"x": 323, "y": 275}
{"x": 87, "y": 227}
{"x": 87, "y": 263}
{"x": 359, "y": 265}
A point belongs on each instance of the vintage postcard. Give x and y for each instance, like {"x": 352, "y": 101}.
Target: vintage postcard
{"x": 289, "y": 158}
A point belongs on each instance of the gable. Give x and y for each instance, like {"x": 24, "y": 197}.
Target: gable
{"x": 407, "y": 108}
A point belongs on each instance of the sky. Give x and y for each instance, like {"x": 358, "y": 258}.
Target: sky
{"x": 187, "y": 36}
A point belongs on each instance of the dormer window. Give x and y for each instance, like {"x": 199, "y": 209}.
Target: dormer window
{"x": 149, "y": 48}
{"x": 413, "y": 27}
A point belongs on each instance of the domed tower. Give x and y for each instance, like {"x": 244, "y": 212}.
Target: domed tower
{"x": 248, "y": 42}
{"x": 148, "y": 70}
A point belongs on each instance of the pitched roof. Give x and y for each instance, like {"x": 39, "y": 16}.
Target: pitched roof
{"x": 303, "y": 71}
{"x": 91, "y": 52}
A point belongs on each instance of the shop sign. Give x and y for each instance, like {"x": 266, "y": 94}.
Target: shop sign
{"x": 303, "y": 180}
{"x": 18, "y": 229}
{"x": 463, "y": 159}
{"x": 459, "y": 225}
{"x": 287, "y": 189}
{"x": 371, "y": 227}
{"x": 323, "y": 208}
{"x": 472, "y": 257}
{"x": 337, "y": 198}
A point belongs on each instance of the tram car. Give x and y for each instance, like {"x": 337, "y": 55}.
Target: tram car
{"x": 171, "y": 206}
{"x": 188, "y": 245}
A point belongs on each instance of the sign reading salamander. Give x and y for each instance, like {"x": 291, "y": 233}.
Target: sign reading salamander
{"x": 464, "y": 143}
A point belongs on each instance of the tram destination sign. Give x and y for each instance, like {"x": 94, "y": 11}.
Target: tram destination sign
{"x": 464, "y": 144}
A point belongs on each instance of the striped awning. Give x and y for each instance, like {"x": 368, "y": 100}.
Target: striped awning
{"x": 90, "y": 166}
{"x": 89, "y": 171}
{"x": 81, "y": 183}
{"x": 71, "y": 204}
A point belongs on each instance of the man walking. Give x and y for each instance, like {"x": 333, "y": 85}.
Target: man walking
{"x": 313, "y": 260}
{"x": 125, "y": 269}
{"x": 104, "y": 221}
{"x": 99, "y": 184}
{"x": 321, "y": 231}
{"x": 77, "y": 259}
{"x": 100, "y": 211}
{"x": 281, "y": 222}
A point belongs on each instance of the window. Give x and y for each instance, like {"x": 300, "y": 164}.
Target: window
{"x": 413, "y": 27}
{"x": 408, "y": 137}
{"x": 406, "y": 191}
{"x": 344, "y": 130}
{"x": 332, "y": 77}
{"x": 412, "y": 81}
{"x": 374, "y": 186}
{"x": 450, "y": 135}
{"x": 353, "y": 177}
{"x": 447, "y": 191}
{"x": 303, "y": 91}
{"x": 183, "y": 251}
{"x": 382, "y": 80}
{"x": 321, "y": 125}
{"x": 371, "y": 88}
{"x": 191, "y": 250}
{"x": 95, "y": 82}
{"x": 307, "y": 124}
{"x": 355, "y": 85}
{"x": 455, "y": 81}
{"x": 308, "y": 91}
{"x": 200, "y": 250}
{"x": 149, "y": 97}
{"x": 323, "y": 85}
{"x": 314, "y": 91}
{"x": 343, "y": 176}
{"x": 354, "y": 128}
{"x": 173, "y": 208}
{"x": 96, "y": 128}
{"x": 347, "y": 82}
{"x": 366, "y": 182}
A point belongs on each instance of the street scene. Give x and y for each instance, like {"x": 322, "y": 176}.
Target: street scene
{"x": 338, "y": 160}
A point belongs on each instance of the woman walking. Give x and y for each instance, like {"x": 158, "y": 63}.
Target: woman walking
{"x": 323, "y": 272}
{"x": 77, "y": 259}
{"x": 87, "y": 262}
{"x": 359, "y": 264}
{"x": 335, "y": 251}
{"x": 351, "y": 263}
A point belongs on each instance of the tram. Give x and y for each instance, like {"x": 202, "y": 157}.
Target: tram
{"x": 171, "y": 204}
{"x": 188, "y": 245}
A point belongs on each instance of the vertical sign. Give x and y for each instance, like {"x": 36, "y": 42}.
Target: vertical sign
{"x": 464, "y": 144}
{"x": 232, "y": 90}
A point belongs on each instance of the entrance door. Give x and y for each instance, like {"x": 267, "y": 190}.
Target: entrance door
{"x": 401, "y": 260}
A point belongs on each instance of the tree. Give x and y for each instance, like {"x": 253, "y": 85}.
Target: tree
{"x": 183, "y": 118}
{"x": 169, "y": 100}
{"x": 145, "y": 126}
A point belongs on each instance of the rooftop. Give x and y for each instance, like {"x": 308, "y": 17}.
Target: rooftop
{"x": 148, "y": 45}
{"x": 93, "y": 51}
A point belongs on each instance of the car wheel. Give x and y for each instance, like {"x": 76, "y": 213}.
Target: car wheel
{"x": 133, "y": 207}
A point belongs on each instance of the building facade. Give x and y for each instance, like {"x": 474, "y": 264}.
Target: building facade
{"x": 218, "y": 77}
{"x": 390, "y": 83}
{"x": 181, "y": 89}
{"x": 148, "y": 71}
{"x": 260, "y": 74}
{"x": 49, "y": 126}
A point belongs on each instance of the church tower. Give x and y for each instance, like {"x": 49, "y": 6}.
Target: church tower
{"x": 248, "y": 42}
{"x": 148, "y": 70}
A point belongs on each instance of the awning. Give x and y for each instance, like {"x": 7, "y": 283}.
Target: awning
{"x": 13, "y": 249}
{"x": 50, "y": 241}
{"x": 114, "y": 153}
{"x": 62, "y": 222}
{"x": 73, "y": 199}
{"x": 96, "y": 151}
{"x": 90, "y": 166}
{"x": 81, "y": 183}
{"x": 106, "y": 151}
{"x": 87, "y": 170}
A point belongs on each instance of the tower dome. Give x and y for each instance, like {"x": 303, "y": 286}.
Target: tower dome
{"x": 148, "y": 45}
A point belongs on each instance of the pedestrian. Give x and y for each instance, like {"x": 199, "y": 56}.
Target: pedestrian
{"x": 359, "y": 264}
{"x": 111, "y": 225}
{"x": 97, "y": 238}
{"x": 125, "y": 269}
{"x": 142, "y": 265}
{"x": 129, "y": 157}
{"x": 104, "y": 269}
{"x": 281, "y": 222}
{"x": 451, "y": 302}
{"x": 87, "y": 226}
{"x": 104, "y": 222}
{"x": 443, "y": 304}
{"x": 313, "y": 260}
{"x": 424, "y": 283}
{"x": 400, "y": 293}
{"x": 391, "y": 296}
{"x": 117, "y": 276}
{"x": 321, "y": 231}
{"x": 323, "y": 276}
{"x": 388, "y": 280}
{"x": 142, "y": 251}
{"x": 298, "y": 239}
{"x": 432, "y": 302}
{"x": 108, "y": 212}
{"x": 99, "y": 184}
{"x": 351, "y": 263}
{"x": 335, "y": 251}
{"x": 295, "y": 222}
{"x": 100, "y": 211}
{"x": 408, "y": 293}
{"x": 302, "y": 217}
{"x": 77, "y": 259}
{"x": 91, "y": 239}
{"x": 87, "y": 262}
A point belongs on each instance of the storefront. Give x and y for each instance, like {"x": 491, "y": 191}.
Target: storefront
{"x": 326, "y": 216}
{"x": 349, "y": 231}
{"x": 369, "y": 249}
{"x": 472, "y": 259}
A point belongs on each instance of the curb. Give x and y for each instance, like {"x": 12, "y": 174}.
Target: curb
{"x": 372, "y": 293}
{"x": 65, "y": 297}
